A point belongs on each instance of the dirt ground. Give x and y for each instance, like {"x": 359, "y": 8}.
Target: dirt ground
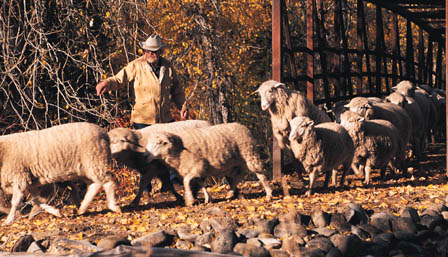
{"x": 425, "y": 185}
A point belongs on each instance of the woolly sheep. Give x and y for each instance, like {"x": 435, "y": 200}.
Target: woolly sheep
{"x": 376, "y": 143}
{"x": 415, "y": 114}
{"x": 127, "y": 147}
{"x": 321, "y": 148}
{"x": 60, "y": 153}
{"x": 385, "y": 111}
{"x": 220, "y": 150}
{"x": 283, "y": 105}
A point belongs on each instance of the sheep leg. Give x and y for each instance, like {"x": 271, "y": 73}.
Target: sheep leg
{"x": 334, "y": 177}
{"x": 356, "y": 170}
{"x": 312, "y": 177}
{"x": 92, "y": 190}
{"x": 266, "y": 186}
{"x": 327, "y": 178}
{"x": 284, "y": 187}
{"x": 145, "y": 181}
{"x": 17, "y": 197}
{"x": 37, "y": 202}
{"x": 188, "y": 195}
{"x": 368, "y": 169}
{"x": 207, "y": 197}
{"x": 109, "y": 188}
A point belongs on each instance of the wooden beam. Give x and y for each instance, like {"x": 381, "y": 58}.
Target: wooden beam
{"x": 311, "y": 6}
{"x": 277, "y": 68}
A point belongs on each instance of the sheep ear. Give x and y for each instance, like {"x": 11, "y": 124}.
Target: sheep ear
{"x": 279, "y": 85}
{"x": 347, "y": 106}
{"x": 292, "y": 135}
{"x": 310, "y": 123}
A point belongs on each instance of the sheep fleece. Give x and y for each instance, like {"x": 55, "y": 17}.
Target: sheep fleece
{"x": 59, "y": 153}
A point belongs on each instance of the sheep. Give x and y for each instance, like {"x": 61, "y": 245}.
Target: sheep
{"x": 61, "y": 153}
{"x": 386, "y": 111}
{"x": 407, "y": 88}
{"x": 321, "y": 148}
{"x": 127, "y": 147}
{"x": 376, "y": 143}
{"x": 223, "y": 150}
{"x": 283, "y": 105}
{"x": 414, "y": 112}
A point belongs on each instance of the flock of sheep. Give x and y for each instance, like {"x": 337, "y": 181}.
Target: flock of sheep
{"x": 362, "y": 134}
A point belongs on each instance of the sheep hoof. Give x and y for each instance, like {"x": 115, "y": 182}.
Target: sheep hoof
{"x": 7, "y": 222}
{"x": 230, "y": 194}
{"x": 286, "y": 198}
{"x": 115, "y": 209}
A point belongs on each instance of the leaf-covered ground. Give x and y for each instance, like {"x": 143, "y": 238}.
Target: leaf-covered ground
{"x": 426, "y": 184}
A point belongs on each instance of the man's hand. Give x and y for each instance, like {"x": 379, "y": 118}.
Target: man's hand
{"x": 102, "y": 87}
{"x": 184, "y": 113}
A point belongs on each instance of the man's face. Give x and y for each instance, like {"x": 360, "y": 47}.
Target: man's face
{"x": 152, "y": 56}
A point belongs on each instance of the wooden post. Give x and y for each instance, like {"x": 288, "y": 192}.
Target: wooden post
{"x": 429, "y": 62}
{"x": 311, "y": 5}
{"x": 395, "y": 50}
{"x": 378, "y": 49}
{"x": 446, "y": 79}
{"x": 409, "y": 52}
{"x": 421, "y": 56}
{"x": 277, "y": 67}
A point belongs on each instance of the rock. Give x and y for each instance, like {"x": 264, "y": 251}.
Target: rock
{"x": 444, "y": 215}
{"x": 184, "y": 233}
{"x": 63, "y": 246}
{"x": 432, "y": 221}
{"x": 372, "y": 230}
{"x": 250, "y": 250}
{"x": 223, "y": 224}
{"x": 293, "y": 217}
{"x": 248, "y": 233}
{"x": 22, "y": 244}
{"x": 355, "y": 214}
{"x": 270, "y": 243}
{"x": 322, "y": 243}
{"x": 409, "y": 248}
{"x": 412, "y": 213}
{"x": 328, "y": 232}
{"x": 278, "y": 253}
{"x": 292, "y": 244}
{"x": 184, "y": 245}
{"x": 320, "y": 219}
{"x": 385, "y": 238}
{"x": 200, "y": 248}
{"x": 266, "y": 226}
{"x": 442, "y": 247}
{"x": 110, "y": 242}
{"x": 283, "y": 230}
{"x": 334, "y": 252}
{"x": 374, "y": 249}
{"x": 224, "y": 242}
{"x": 403, "y": 235}
{"x": 254, "y": 242}
{"x": 35, "y": 248}
{"x": 308, "y": 252}
{"x": 363, "y": 235}
{"x": 403, "y": 225}
{"x": 349, "y": 245}
{"x": 204, "y": 239}
{"x": 381, "y": 221}
{"x": 338, "y": 221}
{"x": 438, "y": 207}
{"x": 159, "y": 238}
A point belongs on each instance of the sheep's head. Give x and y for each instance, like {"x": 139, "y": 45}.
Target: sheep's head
{"x": 406, "y": 88}
{"x": 396, "y": 98}
{"x": 163, "y": 144}
{"x": 268, "y": 92}
{"x": 300, "y": 126}
{"x": 360, "y": 105}
{"x": 350, "y": 120}
{"x": 124, "y": 139}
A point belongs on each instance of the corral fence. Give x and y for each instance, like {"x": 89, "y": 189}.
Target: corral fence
{"x": 339, "y": 59}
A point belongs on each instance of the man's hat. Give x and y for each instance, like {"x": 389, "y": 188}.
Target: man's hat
{"x": 153, "y": 43}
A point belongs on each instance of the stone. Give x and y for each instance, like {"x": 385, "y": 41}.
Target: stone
{"x": 292, "y": 244}
{"x": 338, "y": 221}
{"x": 222, "y": 224}
{"x": 248, "y": 233}
{"x": 381, "y": 221}
{"x": 374, "y": 249}
{"x": 224, "y": 242}
{"x": 355, "y": 214}
{"x": 278, "y": 253}
{"x": 251, "y": 250}
{"x": 266, "y": 226}
{"x": 22, "y": 244}
{"x": 328, "y": 232}
{"x": 270, "y": 243}
{"x": 283, "y": 230}
{"x": 184, "y": 233}
{"x": 254, "y": 242}
{"x": 322, "y": 243}
{"x": 65, "y": 246}
{"x": 35, "y": 248}
{"x": 320, "y": 219}
{"x": 432, "y": 221}
{"x": 308, "y": 252}
{"x": 403, "y": 225}
{"x": 204, "y": 239}
{"x": 184, "y": 245}
{"x": 385, "y": 238}
{"x": 159, "y": 238}
{"x": 372, "y": 230}
{"x": 349, "y": 245}
{"x": 412, "y": 213}
{"x": 409, "y": 248}
{"x": 334, "y": 252}
{"x": 110, "y": 242}
{"x": 362, "y": 234}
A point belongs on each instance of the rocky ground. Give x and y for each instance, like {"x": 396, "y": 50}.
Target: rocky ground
{"x": 396, "y": 216}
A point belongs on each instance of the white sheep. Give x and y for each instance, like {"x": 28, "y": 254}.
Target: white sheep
{"x": 414, "y": 112}
{"x": 223, "y": 150}
{"x": 284, "y": 105}
{"x": 60, "y": 153}
{"x": 320, "y": 148}
{"x": 377, "y": 143}
{"x": 128, "y": 147}
{"x": 385, "y": 111}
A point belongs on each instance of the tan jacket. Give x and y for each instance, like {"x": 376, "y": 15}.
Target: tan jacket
{"x": 152, "y": 94}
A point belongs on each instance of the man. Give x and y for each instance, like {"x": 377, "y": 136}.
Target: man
{"x": 154, "y": 82}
